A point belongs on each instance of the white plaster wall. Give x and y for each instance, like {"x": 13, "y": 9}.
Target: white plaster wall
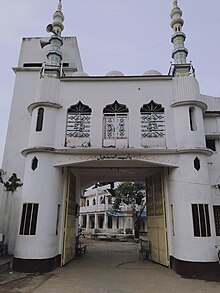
{"x": 185, "y": 88}
{"x": 97, "y": 94}
{"x": 46, "y": 136}
{"x": 188, "y": 186}
{"x": 31, "y": 52}
{"x": 185, "y": 138}
{"x": 25, "y": 90}
{"x": 16, "y": 141}
{"x": 211, "y": 125}
{"x": 43, "y": 186}
{"x": 214, "y": 175}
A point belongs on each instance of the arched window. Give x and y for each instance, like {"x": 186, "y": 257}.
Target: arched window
{"x": 152, "y": 120}
{"x": 78, "y": 125}
{"x": 192, "y": 119}
{"x": 40, "y": 118}
{"x": 34, "y": 163}
{"x": 87, "y": 202}
{"x": 94, "y": 201}
{"x": 115, "y": 124}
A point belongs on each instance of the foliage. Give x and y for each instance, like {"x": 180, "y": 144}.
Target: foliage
{"x": 12, "y": 184}
{"x": 133, "y": 195}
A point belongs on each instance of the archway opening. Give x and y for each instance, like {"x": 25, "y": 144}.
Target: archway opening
{"x": 100, "y": 223}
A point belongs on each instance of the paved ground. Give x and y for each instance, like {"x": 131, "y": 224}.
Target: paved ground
{"x": 107, "y": 267}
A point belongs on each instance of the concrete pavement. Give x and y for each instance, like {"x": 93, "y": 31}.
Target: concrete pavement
{"x": 110, "y": 267}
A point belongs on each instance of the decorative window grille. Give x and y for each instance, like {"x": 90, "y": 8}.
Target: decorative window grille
{"x": 115, "y": 121}
{"x": 78, "y": 124}
{"x": 40, "y": 118}
{"x": 155, "y": 197}
{"x": 152, "y": 120}
{"x": 116, "y": 126}
{"x": 201, "y": 221}
{"x": 217, "y": 219}
{"x": 29, "y": 219}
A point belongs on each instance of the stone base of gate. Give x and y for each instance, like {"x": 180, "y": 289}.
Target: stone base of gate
{"x": 209, "y": 271}
{"x": 36, "y": 265}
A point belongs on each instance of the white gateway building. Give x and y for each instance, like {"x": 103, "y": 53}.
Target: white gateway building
{"x": 68, "y": 130}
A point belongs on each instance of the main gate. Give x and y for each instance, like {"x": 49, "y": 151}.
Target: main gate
{"x": 156, "y": 219}
{"x": 69, "y": 232}
{"x": 119, "y": 170}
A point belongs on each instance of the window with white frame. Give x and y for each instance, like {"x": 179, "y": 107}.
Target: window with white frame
{"x": 152, "y": 120}
{"x": 78, "y": 125}
{"x": 115, "y": 124}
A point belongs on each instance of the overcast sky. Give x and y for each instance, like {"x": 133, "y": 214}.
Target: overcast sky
{"x": 132, "y": 36}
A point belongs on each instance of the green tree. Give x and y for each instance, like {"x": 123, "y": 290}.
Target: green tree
{"x": 12, "y": 184}
{"x": 133, "y": 195}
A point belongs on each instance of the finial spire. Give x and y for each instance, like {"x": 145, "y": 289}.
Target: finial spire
{"x": 179, "y": 53}
{"x": 175, "y": 3}
{"x": 54, "y": 55}
{"x": 59, "y": 7}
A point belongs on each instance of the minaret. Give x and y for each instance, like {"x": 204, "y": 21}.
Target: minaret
{"x": 54, "y": 56}
{"x": 179, "y": 54}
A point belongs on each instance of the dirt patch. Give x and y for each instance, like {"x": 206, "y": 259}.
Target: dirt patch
{"x": 22, "y": 283}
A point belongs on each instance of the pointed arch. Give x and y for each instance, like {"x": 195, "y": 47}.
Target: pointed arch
{"x": 152, "y": 107}
{"x": 40, "y": 119}
{"x": 79, "y": 108}
{"x": 116, "y": 107}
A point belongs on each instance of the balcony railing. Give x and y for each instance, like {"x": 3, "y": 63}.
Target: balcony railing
{"x": 95, "y": 208}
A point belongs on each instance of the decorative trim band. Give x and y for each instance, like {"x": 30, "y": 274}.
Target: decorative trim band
{"x": 34, "y": 105}
{"x": 113, "y": 151}
{"x": 200, "y": 104}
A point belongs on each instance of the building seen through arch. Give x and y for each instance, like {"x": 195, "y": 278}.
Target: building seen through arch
{"x": 100, "y": 220}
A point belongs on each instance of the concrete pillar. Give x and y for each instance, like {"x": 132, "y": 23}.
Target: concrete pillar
{"x": 114, "y": 223}
{"x": 96, "y": 221}
{"x": 105, "y": 225}
{"x": 87, "y": 221}
{"x": 97, "y": 196}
